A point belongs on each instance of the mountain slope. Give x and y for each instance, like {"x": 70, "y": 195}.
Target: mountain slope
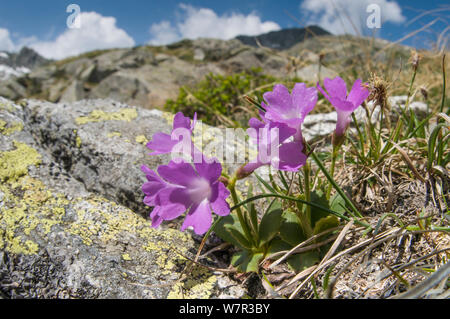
{"x": 148, "y": 76}
{"x": 283, "y": 39}
{"x": 17, "y": 64}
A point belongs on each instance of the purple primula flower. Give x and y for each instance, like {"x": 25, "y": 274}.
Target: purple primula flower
{"x": 344, "y": 104}
{"x": 180, "y": 187}
{"x": 274, "y": 147}
{"x": 180, "y": 140}
{"x": 290, "y": 109}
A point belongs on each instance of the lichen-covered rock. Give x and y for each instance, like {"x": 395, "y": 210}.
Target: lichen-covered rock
{"x": 66, "y": 227}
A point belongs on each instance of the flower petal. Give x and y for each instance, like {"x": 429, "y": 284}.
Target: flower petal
{"x": 218, "y": 199}
{"x": 304, "y": 99}
{"x": 358, "y": 93}
{"x": 211, "y": 171}
{"x": 171, "y": 211}
{"x": 161, "y": 143}
{"x": 156, "y": 219}
{"x": 170, "y": 206}
{"x": 181, "y": 173}
{"x": 342, "y": 105}
{"x": 336, "y": 88}
{"x": 151, "y": 188}
{"x": 199, "y": 217}
{"x": 174, "y": 195}
{"x": 279, "y": 99}
{"x": 291, "y": 156}
{"x": 181, "y": 121}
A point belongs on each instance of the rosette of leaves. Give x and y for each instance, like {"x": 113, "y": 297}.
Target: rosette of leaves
{"x": 279, "y": 230}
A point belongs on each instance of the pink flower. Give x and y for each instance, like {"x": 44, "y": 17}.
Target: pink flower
{"x": 289, "y": 109}
{"x": 179, "y": 141}
{"x": 344, "y": 104}
{"x": 182, "y": 187}
{"x": 274, "y": 147}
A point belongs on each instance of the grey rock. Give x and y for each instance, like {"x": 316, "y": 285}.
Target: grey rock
{"x": 199, "y": 55}
{"x": 314, "y": 72}
{"x": 12, "y": 89}
{"x": 123, "y": 87}
{"x": 70, "y": 200}
{"x": 72, "y": 93}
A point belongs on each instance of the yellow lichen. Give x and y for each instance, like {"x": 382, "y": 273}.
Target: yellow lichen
{"x": 77, "y": 139}
{"x": 168, "y": 117}
{"x": 27, "y": 206}
{"x": 14, "y": 164}
{"x": 198, "y": 285}
{"x": 7, "y": 106}
{"x": 126, "y": 257}
{"x": 113, "y": 134}
{"x": 99, "y": 116}
{"x": 14, "y": 127}
{"x": 141, "y": 139}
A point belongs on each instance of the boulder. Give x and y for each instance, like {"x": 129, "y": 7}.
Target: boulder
{"x": 70, "y": 204}
{"x": 314, "y": 73}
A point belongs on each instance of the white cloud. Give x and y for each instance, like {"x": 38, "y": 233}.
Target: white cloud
{"x": 347, "y": 16}
{"x": 6, "y": 43}
{"x": 96, "y": 32}
{"x": 163, "y": 33}
{"x": 205, "y": 23}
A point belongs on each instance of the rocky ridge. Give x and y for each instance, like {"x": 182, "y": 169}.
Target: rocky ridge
{"x": 147, "y": 76}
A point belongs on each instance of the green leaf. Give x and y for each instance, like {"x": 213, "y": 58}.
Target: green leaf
{"x": 266, "y": 185}
{"x": 246, "y": 261}
{"x": 337, "y": 203}
{"x": 326, "y": 223}
{"x": 252, "y": 211}
{"x": 291, "y": 230}
{"x": 278, "y": 245}
{"x": 240, "y": 239}
{"x": 318, "y": 197}
{"x": 283, "y": 180}
{"x": 270, "y": 223}
{"x": 299, "y": 262}
{"x": 221, "y": 229}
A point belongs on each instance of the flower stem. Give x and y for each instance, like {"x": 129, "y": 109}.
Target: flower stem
{"x": 333, "y": 164}
{"x": 306, "y": 217}
{"x": 244, "y": 225}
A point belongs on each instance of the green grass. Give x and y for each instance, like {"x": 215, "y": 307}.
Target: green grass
{"x": 220, "y": 99}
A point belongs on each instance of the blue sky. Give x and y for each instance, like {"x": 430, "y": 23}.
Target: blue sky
{"x": 42, "y": 24}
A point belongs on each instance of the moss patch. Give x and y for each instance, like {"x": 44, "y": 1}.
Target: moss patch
{"x": 127, "y": 114}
